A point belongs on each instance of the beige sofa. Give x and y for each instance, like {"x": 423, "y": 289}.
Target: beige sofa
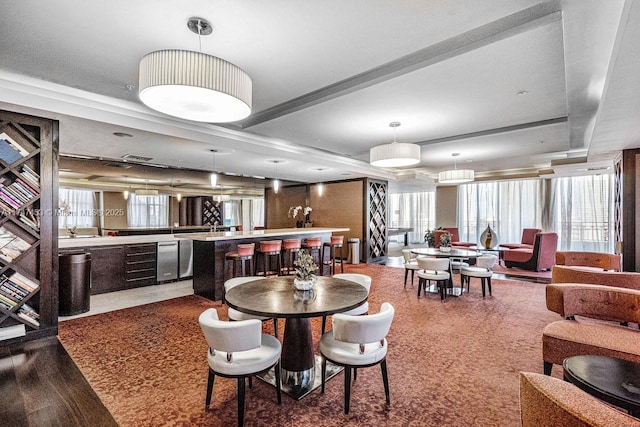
{"x": 607, "y": 309}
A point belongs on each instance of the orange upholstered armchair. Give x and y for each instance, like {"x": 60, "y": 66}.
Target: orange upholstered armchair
{"x": 455, "y": 238}
{"x": 550, "y": 402}
{"x": 541, "y": 257}
{"x": 527, "y": 240}
{"x": 596, "y": 260}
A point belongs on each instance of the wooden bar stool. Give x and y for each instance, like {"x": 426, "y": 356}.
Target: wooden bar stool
{"x": 330, "y": 247}
{"x": 290, "y": 249}
{"x": 243, "y": 254}
{"x": 267, "y": 250}
{"x": 313, "y": 246}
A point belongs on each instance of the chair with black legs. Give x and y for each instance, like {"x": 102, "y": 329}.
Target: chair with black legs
{"x": 357, "y": 342}
{"x": 238, "y": 350}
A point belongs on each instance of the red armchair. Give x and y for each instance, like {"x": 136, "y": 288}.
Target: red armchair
{"x": 541, "y": 257}
{"x": 455, "y": 238}
{"x": 527, "y": 240}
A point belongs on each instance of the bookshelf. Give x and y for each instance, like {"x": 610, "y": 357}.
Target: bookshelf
{"x": 28, "y": 222}
{"x": 376, "y": 220}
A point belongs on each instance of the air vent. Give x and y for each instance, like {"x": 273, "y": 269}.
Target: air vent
{"x": 136, "y": 158}
{"x": 117, "y": 165}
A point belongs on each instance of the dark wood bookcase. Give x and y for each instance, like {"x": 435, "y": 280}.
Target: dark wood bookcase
{"x": 375, "y": 220}
{"x": 28, "y": 227}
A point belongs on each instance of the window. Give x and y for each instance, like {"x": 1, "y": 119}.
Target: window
{"x": 148, "y": 212}
{"x": 78, "y": 208}
{"x": 232, "y": 212}
{"x": 582, "y": 211}
{"x": 507, "y": 206}
{"x": 257, "y": 213}
{"x": 413, "y": 210}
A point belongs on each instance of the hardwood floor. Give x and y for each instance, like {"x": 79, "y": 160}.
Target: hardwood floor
{"x": 41, "y": 386}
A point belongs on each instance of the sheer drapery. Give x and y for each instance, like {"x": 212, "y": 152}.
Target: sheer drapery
{"x": 507, "y": 206}
{"x": 232, "y": 212}
{"x": 581, "y": 212}
{"x": 78, "y": 208}
{"x": 257, "y": 213}
{"x": 148, "y": 212}
{"x": 413, "y": 210}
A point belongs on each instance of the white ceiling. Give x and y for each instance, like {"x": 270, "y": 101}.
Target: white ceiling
{"x": 329, "y": 77}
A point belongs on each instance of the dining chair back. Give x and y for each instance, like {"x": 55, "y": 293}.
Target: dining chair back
{"x": 238, "y": 350}
{"x": 436, "y": 269}
{"x": 361, "y": 279}
{"x": 357, "y": 342}
{"x": 238, "y": 315}
{"x": 410, "y": 264}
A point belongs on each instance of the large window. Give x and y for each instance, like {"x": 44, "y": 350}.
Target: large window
{"x": 413, "y": 210}
{"x": 257, "y": 213}
{"x": 582, "y": 211}
{"x": 78, "y": 208}
{"x": 232, "y": 213}
{"x": 507, "y": 206}
{"x": 148, "y": 212}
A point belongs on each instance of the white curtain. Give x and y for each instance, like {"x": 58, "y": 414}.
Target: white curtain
{"x": 232, "y": 212}
{"x": 413, "y": 210}
{"x": 257, "y": 213}
{"x": 582, "y": 212}
{"x": 78, "y": 208}
{"x": 507, "y": 206}
{"x": 148, "y": 212}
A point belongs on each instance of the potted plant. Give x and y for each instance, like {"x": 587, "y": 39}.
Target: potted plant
{"x": 305, "y": 276}
{"x": 445, "y": 242}
{"x": 430, "y": 237}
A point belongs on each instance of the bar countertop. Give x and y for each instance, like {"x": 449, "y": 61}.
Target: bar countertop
{"x": 207, "y": 236}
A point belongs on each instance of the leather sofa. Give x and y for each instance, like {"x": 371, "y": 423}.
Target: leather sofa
{"x": 597, "y": 260}
{"x": 455, "y": 238}
{"x": 549, "y": 402}
{"x": 527, "y": 241}
{"x": 610, "y": 308}
{"x": 541, "y": 257}
{"x": 578, "y": 274}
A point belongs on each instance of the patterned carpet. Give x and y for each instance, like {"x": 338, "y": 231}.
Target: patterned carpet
{"x": 450, "y": 364}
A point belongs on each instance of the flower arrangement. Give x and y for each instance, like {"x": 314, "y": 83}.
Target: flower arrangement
{"x": 430, "y": 237}
{"x": 445, "y": 240}
{"x": 305, "y": 267}
{"x": 295, "y": 210}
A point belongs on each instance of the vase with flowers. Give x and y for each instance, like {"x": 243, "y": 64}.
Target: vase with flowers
{"x": 300, "y": 214}
{"x": 445, "y": 242}
{"x": 305, "y": 268}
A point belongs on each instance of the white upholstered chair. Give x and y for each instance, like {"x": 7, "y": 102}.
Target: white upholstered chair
{"x": 357, "y": 342}
{"x": 238, "y": 315}
{"x": 483, "y": 270}
{"x": 436, "y": 269}
{"x": 361, "y": 279}
{"x": 238, "y": 350}
{"x": 410, "y": 264}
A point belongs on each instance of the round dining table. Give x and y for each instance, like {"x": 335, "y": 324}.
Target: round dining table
{"x": 462, "y": 254}
{"x": 276, "y": 297}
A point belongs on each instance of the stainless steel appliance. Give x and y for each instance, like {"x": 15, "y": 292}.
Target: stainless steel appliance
{"x": 167, "y": 261}
{"x": 185, "y": 254}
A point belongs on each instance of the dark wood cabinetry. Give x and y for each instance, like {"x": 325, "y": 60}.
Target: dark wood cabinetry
{"x": 375, "y": 218}
{"x": 140, "y": 265}
{"x": 28, "y": 220}
{"x": 107, "y": 268}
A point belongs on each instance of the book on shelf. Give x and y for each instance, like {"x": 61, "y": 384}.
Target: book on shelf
{"x": 15, "y": 331}
{"x": 11, "y": 292}
{"x": 19, "y": 148}
{"x": 30, "y": 222}
{"x": 29, "y": 319}
{"x": 13, "y": 286}
{"x": 7, "y": 152}
{"x": 23, "y": 281}
{"x": 7, "y": 301}
{"x": 11, "y": 246}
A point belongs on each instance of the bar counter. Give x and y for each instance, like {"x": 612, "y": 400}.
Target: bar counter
{"x": 209, "y": 250}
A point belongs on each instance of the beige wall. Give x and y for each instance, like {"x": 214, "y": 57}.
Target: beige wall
{"x": 277, "y": 205}
{"x": 114, "y": 202}
{"x": 446, "y": 206}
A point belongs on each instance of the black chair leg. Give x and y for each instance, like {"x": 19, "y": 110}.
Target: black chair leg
{"x": 420, "y": 284}
{"x": 210, "y": 380}
{"x": 324, "y": 324}
{"x": 483, "y": 281}
{"x": 250, "y": 382}
{"x": 275, "y": 327}
{"x": 278, "y": 386}
{"x": 547, "y": 367}
{"x": 406, "y": 273}
{"x": 489, "y": 284}
{"x": 240, "y": 402}
{"x": 385, "y": 380}
{"x": 412, "y": 271}
{"x": 347, "y": 388}
{"x": 355, "y": 374}
{"x": 324, "y": 372}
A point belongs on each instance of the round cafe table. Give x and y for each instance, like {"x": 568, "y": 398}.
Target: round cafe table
{"x": 277, "y": 297}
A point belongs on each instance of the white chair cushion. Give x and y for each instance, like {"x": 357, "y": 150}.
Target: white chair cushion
{"x": 232, "y": 283}
{"x": 247, "y": 362}
{"x": 361, "y": 279}
{"x": 476, "y": 272}
{"x": 433, "y": 275}
{"x": 486, "y": 261}
{"x": 433, "y": 264}
{"x": 349, "y": 353}
{"x": 238, "y": 315}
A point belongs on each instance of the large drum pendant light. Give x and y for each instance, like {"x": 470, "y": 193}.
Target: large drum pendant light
{"x": 193, "y": 85}
{"x": 395, "y": 154}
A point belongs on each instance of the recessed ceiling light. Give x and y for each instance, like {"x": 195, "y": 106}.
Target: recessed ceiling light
{"x": 523, "y": 92}
{"x": 123, "y": 135}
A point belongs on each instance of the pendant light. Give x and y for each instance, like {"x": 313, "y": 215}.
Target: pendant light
{"x": 276, "y": 183}
{"x": 319, "y": 186}
{"x": 193, "y": 85}
{"x": 396, "y": 154}
{"x": 125, "y": 193}
{"x": 455, "y": 175}
{"x": 214, "y": 175}
{"x": 146, "y": 192}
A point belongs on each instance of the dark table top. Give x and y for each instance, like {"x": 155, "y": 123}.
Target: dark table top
{"x": 453, "y": 253}
{"x": 613, "y": 380}
{"x": 277, "y": 297}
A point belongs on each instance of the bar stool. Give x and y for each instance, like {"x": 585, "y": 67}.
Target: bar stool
{"x": 267, "y": 250}
{"x": 290, "y": 249}
{"x": 313, "y": 245}
{"x": 331, "y": 246}
{"x": 242, "y": 254}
